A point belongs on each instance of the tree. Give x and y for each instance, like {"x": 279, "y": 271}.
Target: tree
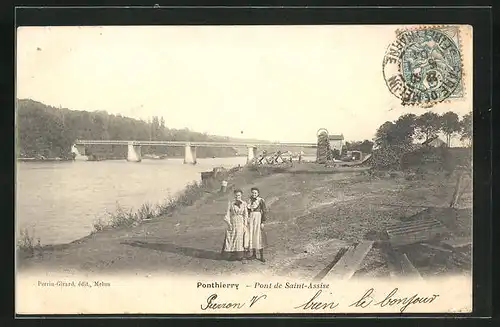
{"x": 404, "y": 129}
{"x": 397, "y": 133}
{"x": 385, "y": 134}
{"x": 428, "y": 125}
{"x": 155, "y": 128}
{"x": 365, "y": 146}
{"x": 162, "y": 129}
{"x": 449, "y": 125}
{"x": 335, "y": 154}
{"x": 466, "y": 127}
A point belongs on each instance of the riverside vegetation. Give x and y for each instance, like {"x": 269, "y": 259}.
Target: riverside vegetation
{"x": 127, "y": 218}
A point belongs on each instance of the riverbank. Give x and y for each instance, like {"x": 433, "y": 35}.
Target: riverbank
{"x": 149, "y": 157}
{"x": 42, "y": 159}
{"x": 311, "y": 217}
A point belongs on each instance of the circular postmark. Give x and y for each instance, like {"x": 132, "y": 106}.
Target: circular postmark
{"x": 422, "y": 67}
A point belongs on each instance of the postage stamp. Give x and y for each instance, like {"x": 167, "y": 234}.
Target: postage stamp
{"x": 423, "y": 66}
{"x": 217, "y": 172}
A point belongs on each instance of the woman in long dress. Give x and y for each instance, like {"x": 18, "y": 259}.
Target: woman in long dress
{"x": 256, "y": 218}
{"x": 236, "y": 219}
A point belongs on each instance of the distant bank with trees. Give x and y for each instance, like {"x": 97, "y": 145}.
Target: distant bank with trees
{"x": 403, "y": 132}
{"x": 48, "y": 131}
{"x": 396, "y": 146}
{"x": 409, "y": 128}
{"x": 424, "y": 127}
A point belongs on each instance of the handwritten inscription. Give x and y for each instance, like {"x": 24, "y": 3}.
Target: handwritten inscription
{"x": 392, "y": 299}
{"x": 321, "y": 300}
{"x": 213, "y": 304}
{"x": 315, "y": 304}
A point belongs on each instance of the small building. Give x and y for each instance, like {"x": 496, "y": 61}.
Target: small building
{"x": 336, "y": 142}
{"x": 437, "y": 142}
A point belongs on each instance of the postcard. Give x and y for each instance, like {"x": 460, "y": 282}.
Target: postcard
{"x": 244, "y": 169}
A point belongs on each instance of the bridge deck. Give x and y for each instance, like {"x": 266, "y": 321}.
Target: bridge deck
{"x": 194, "y": 143}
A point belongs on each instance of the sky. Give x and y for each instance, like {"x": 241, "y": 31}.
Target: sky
{"x": 277, "y": 83}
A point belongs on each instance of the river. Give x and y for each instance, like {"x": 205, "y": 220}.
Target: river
{"x": 58, "y": 202}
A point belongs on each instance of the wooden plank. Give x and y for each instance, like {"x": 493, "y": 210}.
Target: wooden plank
{"x": 327, "y": 269}
{"x": 406, "y": 229}
{"x": 350, "y": 262}
{"x": 458, "y": 242}
{"x": 424, "y": 236}
{"x": 398, "y": 263}
{"x": 413, "y": 229}
{"x": 412, "y": 224}
{"x": 371, "y": 267}
{"x": 391, "y": 259}
{"x": 415, "y": 232}
{"x": 461, "y": 259}
{"x": 393, "y": 270}
{"x": 413, "y": 239}
{"x": 456, "y": 193}
{"x": 437, "y": 247}
{"x": 408, "y": 268}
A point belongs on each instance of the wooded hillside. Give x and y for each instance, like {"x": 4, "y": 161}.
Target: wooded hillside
{"x": 47, "y": 131}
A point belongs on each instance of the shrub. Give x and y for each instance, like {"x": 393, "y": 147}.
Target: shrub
{"x": 26, "y": 242}
{"x": 146, "y": 212}
{"x": 99, "y": 225}
{"x": 122, "y": 217}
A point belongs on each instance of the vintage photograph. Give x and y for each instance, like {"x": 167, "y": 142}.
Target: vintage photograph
{"x": 243, "y": 169}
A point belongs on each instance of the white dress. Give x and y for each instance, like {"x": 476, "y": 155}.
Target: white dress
{"x": 236, "y": 218}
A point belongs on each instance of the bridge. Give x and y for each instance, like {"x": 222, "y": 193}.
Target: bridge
{"x": 134, "y": 147}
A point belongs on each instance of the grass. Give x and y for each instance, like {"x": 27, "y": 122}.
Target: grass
{"x": 26, "y": 242}
{"x": 191, "y": 193}
{"x": 123, "y": 218}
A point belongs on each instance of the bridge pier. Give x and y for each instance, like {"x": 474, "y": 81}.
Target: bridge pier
{"x": 78, "y": 151}
{"x": 189, "y": 154}
{"x": 252, "y": 152}
{"x": 134, "y": 152}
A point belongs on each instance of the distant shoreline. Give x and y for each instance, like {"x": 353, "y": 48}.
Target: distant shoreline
{"x": 42, "y": 160}
{"x": 114, "y": 158}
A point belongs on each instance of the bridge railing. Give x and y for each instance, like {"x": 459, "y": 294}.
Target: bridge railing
{"x": 194, "y": 143}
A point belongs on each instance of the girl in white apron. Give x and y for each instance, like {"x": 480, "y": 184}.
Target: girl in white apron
{"x": 236, "y": 218}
